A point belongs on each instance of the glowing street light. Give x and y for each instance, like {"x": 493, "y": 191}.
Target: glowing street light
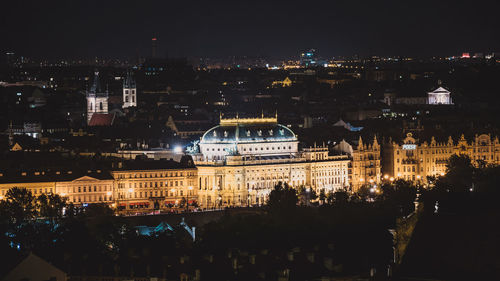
{"x": 386, "y": 176}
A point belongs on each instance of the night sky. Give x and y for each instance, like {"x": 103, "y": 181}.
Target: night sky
{"x": 121, "y": 29}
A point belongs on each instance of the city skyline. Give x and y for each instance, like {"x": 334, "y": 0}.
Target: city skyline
{"x": 277, "y": 30}
{"x": 249, "y": 140}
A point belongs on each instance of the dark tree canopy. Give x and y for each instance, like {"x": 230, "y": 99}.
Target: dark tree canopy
{"x": 282, "y": 198}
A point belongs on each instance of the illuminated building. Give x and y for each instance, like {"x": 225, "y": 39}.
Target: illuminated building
{"x": 155, "y": 185}
{"x": 97, "y": 100}
{"x": 79, "y": 187}
{"x": 129, "y": 92}
{"x": 241, "y": 160}
{"x": 238, "y": 164}
{"x": 439, "y": 96}
{"x": 308, "y": 58}
{"x": 365, "y": 166}
{"x": 282, "y": 83}
{"x": 414, "y": 160}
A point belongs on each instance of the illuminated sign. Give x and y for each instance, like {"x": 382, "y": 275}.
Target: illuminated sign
{"x": 409, "y": 146}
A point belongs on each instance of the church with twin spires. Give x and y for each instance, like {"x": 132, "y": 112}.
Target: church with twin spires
{"x": 98, "y": 109}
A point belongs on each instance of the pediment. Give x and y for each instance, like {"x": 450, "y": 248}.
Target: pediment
{"x": 86, "y": 178}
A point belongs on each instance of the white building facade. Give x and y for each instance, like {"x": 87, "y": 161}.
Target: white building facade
{"x": 242, "y": 159}
{"x": 439, "y": 96}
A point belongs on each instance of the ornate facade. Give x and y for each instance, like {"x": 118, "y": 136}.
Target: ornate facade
{"x": 242, "y": 159}
{"x": 414, "y": 160}
{"x": 365, "y": 166}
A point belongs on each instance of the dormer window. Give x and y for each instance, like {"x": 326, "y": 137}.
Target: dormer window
{"x": 225, "y": 134}
{"x": 215, "y": 133}
{"x": 248, "y": 133}
{"x": 259, "y": 132}
{"x": 282, "y": 132}
{"x": 270, "y": 132}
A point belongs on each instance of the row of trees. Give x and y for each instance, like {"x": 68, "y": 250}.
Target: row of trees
{"x": 20, "y": 206}
{"x": 463, "y": 177}
{"x": 398, "y": 196}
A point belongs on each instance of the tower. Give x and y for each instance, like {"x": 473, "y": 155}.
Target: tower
{"x": 97, "y": 100}
{"x": 154, "y": 47}
{"x": 129, "y": 91}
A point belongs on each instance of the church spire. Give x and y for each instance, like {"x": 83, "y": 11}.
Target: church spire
{"x": 360, "y": 143}
{"x": 96, "y": 85}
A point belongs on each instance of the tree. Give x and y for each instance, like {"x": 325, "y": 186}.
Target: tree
{"x": 98, "y": 210}
{"x": 51, "y": 206}
{"x": 282, "y": 198}
{"x": 341, "y": 197}
{"x": 183, "y": 202}
{"x": 305, "y": 195}
{"x": 18, "y": 205}
{"x": 364, "y": 192}
{"x": 322, "y": 196}
{"x": 330, "y": 198}
{"x": 459, "y": 175}
{"x": 399, "y": 196}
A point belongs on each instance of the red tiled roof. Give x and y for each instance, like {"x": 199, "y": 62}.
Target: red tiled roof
{"x": 100, "y": 119}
